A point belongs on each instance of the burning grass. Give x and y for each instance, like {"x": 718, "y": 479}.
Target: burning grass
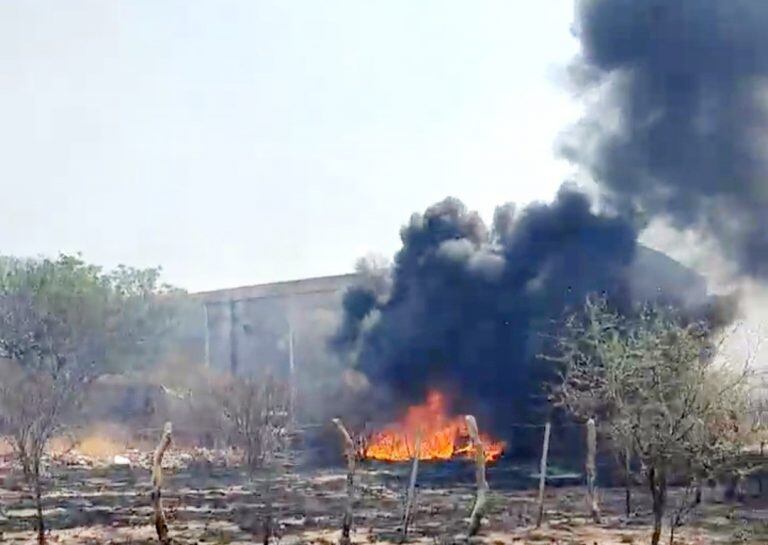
{"x": 443, "y": 437}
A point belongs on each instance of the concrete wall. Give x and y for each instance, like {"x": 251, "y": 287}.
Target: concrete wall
{"x": 258, "y": 329}
{"x": 250, "y": 328}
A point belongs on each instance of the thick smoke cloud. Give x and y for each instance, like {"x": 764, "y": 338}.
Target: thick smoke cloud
{"x": 679, "y": 128}
{"x": 469, "y": 306}
{"x": 676, "y": 128}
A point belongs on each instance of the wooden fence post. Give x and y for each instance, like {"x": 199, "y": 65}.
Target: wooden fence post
{"x": 591, "y": 470}
{"x": 543, "y": 474}
{"x": 482, "y": 484}
{"x": 627, "y": 481}
{"x": 161, "y": 525}
{"x": 410, "y": 499}
{"x": 350, "y": 454}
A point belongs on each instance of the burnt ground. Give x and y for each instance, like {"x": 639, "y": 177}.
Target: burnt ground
{"x": 208, "y": 504}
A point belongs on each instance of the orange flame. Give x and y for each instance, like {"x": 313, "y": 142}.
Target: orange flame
{"x": 442, "y": 437}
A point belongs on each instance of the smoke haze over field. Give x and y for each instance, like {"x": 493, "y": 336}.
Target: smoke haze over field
{"x": 678, "y": 123}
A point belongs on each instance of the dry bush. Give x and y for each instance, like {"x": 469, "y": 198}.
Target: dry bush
{"x": 257, "y": 412}
{"x": 33, "y": 405}
{"x": 190, "y": 402}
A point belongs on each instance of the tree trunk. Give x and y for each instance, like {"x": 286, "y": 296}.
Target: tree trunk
{"x": 26, "y": 466}
{"x": 760, "y": 474}
{"x": 734, "y": 490}
{"x": 38, "y": 502}
{"x": 657, "y": 481}
{"x": 627, "y": 482}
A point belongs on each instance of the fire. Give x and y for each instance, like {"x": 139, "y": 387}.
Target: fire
{"x": 442, "y": 437}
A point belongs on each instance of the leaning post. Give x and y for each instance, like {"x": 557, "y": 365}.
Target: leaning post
{"x": 351, "y": 455}
{"x": 161, "y": 525}
{"x": 543, "y": 473}
{"x": 482, "y": 484}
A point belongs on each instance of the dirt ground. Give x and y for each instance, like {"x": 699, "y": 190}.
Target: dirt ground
{"x": 218, "y": 505}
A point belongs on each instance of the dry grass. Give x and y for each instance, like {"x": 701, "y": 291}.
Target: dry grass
{"x": 111, "y": 505}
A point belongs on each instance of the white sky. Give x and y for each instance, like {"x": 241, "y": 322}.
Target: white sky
{"x": 243, "y": 142}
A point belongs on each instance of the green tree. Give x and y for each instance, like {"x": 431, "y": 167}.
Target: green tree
{"x": 63, "y": 323}
{"x": 656, "y": 384}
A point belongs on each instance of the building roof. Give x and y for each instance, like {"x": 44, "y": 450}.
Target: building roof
{"x": 651, "y": 273}
{"x": 306, "y": 286}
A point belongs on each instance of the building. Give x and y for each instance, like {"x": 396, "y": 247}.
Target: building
{"x": 283, "y": 324}
{"x": 272, "y": 323}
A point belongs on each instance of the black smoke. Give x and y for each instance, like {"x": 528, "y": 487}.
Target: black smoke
{"x": 678, "y": 123}
{"x": 470, "y": 307}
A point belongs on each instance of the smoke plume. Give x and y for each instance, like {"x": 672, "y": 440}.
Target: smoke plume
{"x": 677, "y": 112}
{"x": 468, "y": 305}
{"x": 677, "y": 126}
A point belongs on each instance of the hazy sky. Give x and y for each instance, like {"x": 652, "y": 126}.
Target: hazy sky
{"x": 243, "y": 142}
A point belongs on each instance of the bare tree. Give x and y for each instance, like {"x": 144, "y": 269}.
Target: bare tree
{"x": 257, "y": 410}
{"x": 41, "y": 383}
{"x": 33, "y": 405}
{"x": 655, "y": 383}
